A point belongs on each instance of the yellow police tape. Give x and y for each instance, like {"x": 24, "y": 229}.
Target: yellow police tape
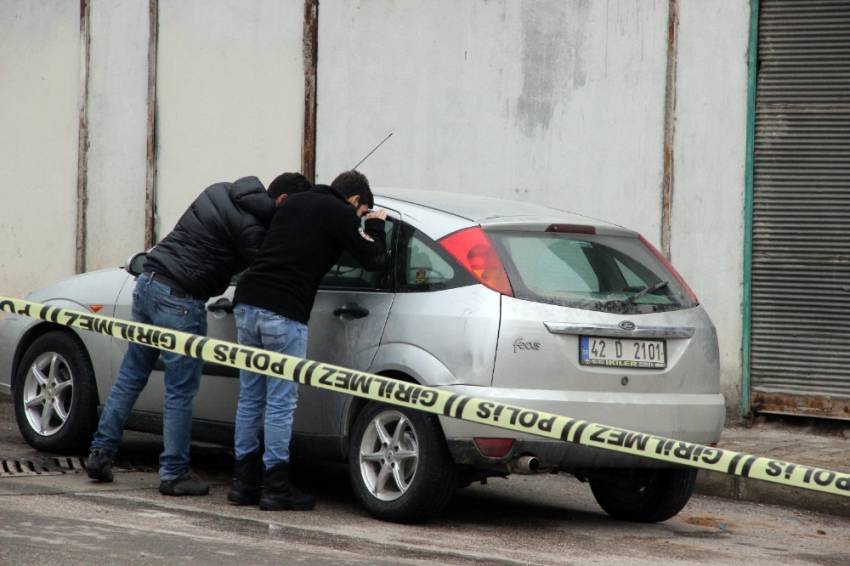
{"x": 439, "y": 402}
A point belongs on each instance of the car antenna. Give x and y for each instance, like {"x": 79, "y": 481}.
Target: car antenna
{"x": 359, "y": 163}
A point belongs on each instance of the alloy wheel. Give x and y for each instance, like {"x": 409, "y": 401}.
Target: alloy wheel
{"x": 389, "y": 455}
{"x": 48, "y": 392}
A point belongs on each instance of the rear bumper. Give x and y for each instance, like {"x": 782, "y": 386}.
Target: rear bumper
{"x": 692, "y": 417}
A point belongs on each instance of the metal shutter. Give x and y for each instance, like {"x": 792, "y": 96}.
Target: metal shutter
{"x": 800, "y": 326}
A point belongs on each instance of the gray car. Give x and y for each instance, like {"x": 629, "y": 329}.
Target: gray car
{"x": 523, "y": 304}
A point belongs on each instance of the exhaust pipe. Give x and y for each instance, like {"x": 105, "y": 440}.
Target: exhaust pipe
{"x": 524, "y": 465}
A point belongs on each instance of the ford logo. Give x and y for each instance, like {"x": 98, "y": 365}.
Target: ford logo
{"x": 627, "y": 325}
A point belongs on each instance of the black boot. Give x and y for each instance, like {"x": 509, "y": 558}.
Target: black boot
{"x": 99, "y": 466}
{"x": 279, "y": 493}
{"x": 247, "y": 480}
{"x": 185, "y": 485}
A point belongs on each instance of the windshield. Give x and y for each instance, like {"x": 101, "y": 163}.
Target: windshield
{"x": 601, "y": 273}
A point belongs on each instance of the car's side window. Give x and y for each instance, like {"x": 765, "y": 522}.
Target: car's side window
{"x": 347, "y": 273}
{"x": 424, "y": 266}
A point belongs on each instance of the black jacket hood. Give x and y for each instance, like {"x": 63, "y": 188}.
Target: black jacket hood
{"x": 218, "y": 236}
{"x": 249, "y": 194}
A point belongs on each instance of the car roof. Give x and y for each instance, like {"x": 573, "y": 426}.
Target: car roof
{"x": 486, "y": 211}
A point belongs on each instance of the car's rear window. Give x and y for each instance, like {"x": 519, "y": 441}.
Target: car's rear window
{"x": 593, "y": 272}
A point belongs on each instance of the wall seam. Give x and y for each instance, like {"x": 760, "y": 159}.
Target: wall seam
{"x": 669, "y": 126}
{"x": 83, "y": 139}
{"x": 311, "y": 59}
{"x": 150, "y": 163}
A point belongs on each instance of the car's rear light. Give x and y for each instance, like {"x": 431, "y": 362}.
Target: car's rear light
{"x": 669, "y": 266}
{"x": 571, "y": 229}
{"x": 494, "y": 447}
{"x": 475, "y": 252}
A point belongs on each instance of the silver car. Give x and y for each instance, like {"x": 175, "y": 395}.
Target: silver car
{"x": 523, "y": 304}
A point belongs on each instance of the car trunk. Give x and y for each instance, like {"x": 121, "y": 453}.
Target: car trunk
{"x": 597, "y": 310}
{"x": 539, "y": 348}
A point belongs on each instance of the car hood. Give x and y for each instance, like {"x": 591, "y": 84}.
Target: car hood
{"x": 95, "y": 287}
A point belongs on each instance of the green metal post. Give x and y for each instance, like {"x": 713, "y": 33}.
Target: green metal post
{"x": 746, "y": 302}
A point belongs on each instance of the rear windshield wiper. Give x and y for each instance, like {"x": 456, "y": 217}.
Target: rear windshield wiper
{"x": 646, "y": 290}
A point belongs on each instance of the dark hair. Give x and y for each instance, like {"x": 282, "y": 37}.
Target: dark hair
{"x": 351, "y": 183}
{"x": 288, "y": 183}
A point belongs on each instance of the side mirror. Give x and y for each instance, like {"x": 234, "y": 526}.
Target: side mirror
{"x": 135, "y": 263}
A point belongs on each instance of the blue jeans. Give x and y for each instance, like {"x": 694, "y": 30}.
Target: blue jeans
{"x": 154, "y": 304}
{"x": 257, "y": 393}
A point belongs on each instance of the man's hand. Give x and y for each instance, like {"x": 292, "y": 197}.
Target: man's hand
{"x": 377, "y": 214}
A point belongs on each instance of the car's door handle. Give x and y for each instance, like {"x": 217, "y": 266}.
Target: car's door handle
{"x": 351, "y": 311}
{"x": 221, "y": 305}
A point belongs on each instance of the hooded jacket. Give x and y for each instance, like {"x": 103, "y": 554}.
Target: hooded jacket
{"x": 307, "y": 235}
{"x": 218, "y": 236}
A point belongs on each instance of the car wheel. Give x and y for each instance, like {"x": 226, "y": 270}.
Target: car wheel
{"x": 644, "y": 496}
{"x": 55, "y": 395}
{"x": 399, "y": 465}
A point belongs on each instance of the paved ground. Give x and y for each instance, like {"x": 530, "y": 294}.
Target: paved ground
{"x": 66, "y": 519}
{"x": 825, "y": 444}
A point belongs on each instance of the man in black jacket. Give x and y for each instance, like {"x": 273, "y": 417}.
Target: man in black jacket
{"x": 273, "y": 303}
{"x": 218, "y": 236}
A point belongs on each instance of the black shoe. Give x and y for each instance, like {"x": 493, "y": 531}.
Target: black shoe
{"x": 99, "y": 466}
{"x": 247, "y": 480}
{"x": 184, "y": 485}
{"x": 279, "y": 493}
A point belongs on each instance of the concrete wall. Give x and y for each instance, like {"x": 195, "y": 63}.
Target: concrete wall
{"x": 230, "y": 92}
{"x": 39, "y": 68}
{"x": 710, "y": 150}
{"x": 118, "y": 86}
{"x": 554, "y": 102}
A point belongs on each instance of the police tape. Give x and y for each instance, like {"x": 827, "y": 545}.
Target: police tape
{"x": 440, "y": 402}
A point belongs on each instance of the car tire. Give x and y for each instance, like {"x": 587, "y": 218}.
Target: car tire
{"x": 416, "y": 488}
{"x": 56, "y": 395}
{"x": 643, "y": 495}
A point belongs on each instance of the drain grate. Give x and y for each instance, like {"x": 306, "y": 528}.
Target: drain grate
{"x": 46, "y": 467}
{"x": 65, "y": 465}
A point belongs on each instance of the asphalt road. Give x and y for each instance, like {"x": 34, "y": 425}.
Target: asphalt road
{"x": 66, "y": 519}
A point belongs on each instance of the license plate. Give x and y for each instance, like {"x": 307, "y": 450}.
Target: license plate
{"x": 622, "y": 352}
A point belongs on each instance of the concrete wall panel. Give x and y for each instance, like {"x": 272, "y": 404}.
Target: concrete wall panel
{"x": 710, "y": 151}
{"x": 555, "y": 102}
{"x": 39, "y": 66}
{"x": 230, "y": 96}
{"x": 117, "y": 131}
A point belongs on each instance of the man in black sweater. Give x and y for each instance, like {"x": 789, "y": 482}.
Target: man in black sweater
{"x": 273, "y": 300}
{"x": 217, "y": 237}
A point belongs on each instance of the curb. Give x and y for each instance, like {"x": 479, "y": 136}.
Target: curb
{"x": 744, "y": 489}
